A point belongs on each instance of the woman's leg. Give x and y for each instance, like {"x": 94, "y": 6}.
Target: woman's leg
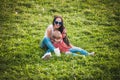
{"x": 47, "y": 43}
{"x": 76, "y": 49}
{"x": 42, "y": 45}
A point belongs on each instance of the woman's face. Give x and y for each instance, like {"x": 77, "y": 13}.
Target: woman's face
{"x": 57, "y": 23}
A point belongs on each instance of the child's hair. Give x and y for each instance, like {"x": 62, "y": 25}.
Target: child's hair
{"x": 57, "y": 34}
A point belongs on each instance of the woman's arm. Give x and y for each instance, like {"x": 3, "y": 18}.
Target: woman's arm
{"x": 64, "y": 33}
{"x": 49, "y": 33}
{"x": 71, "y": 45}
{"x": 65, "y": 38}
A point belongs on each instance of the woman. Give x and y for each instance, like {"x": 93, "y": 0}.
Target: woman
{"x": 57, "y": 24}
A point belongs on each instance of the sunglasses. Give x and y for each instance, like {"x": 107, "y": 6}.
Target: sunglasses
{"x": 56, "y": 22}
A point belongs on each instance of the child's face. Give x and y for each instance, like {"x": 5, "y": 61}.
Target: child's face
{"x": 57, "y": 40}
{"x": 58, "y": 37}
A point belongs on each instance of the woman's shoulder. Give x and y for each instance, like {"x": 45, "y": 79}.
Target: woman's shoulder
{"x": 50, "y": 26}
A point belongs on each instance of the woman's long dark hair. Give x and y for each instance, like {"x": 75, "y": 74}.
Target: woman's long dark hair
{"x": 65, "y": 39}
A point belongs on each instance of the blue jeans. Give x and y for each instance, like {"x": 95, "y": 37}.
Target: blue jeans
{"x": 46, "y": 42}
{"x": 74, "y": 50}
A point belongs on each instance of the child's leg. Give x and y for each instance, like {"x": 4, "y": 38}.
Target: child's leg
{"x": 76, "y": 49}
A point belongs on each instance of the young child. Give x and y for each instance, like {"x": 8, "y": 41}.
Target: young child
{"x": 59, "y": 43}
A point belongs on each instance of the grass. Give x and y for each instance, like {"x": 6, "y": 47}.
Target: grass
{"x": 91, "y": 25}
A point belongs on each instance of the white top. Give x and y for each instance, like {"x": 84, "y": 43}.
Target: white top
{"x": 50, "y": 27}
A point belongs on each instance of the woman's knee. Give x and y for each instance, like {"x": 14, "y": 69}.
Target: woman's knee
{"x": 46, "y": 39}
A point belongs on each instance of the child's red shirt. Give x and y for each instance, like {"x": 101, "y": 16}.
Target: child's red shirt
{"x": 62, "y": 46}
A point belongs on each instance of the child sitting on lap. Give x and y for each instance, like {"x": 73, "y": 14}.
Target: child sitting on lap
{"x": 59, "y": 43}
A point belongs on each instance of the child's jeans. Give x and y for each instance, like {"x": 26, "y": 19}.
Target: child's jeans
{"x": 74, "y": 50}
{"x": 46, "y": 42}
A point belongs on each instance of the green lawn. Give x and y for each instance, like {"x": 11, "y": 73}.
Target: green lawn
{"x": 93, "y": 25}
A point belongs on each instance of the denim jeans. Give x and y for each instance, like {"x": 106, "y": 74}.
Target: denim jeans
{"x": 74, "y": 50}
{"x": 46, "y": 42}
